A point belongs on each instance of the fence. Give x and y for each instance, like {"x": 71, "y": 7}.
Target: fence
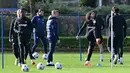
{"x": 68, "y": 25}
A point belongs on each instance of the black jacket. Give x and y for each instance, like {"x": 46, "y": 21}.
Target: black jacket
{"x": 23, "y": 27}
{"x": 12, "y": 33}
{"x": 119, "y": 26}
{"x": 97, "y": 27}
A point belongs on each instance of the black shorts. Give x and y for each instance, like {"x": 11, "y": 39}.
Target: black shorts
{"x": 91, "y": 37}
{"x": 101, "y": 40}
{"x": 117, "y": 41}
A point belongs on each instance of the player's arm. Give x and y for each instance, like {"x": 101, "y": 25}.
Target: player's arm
{"x": 33, "y": 21}
{"x": 108, "y": 20}
{"x": 81, "y": 29}
{"x": 83, "y": 26}
{"x": 109, "y": 23}
{"x": 56, "y": 31}
{"x": 30, "y": 28}
{"x": 99, "y": 27}
{"x": 102, "y": 23}
{"x": 44, "y": 25}
{"x": 11, "y": 30}
{"x": 16, "y": 27}
{"x": 125, "y": 27}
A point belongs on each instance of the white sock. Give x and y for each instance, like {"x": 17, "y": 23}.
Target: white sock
{"x": 121, "y": 59}
{"x": 101, "y": 48}
{"x": 115, "y": 56}
{"x": 101, "y": 56}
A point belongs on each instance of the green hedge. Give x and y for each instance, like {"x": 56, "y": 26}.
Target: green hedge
{"x": 91, "y": 3}
{"x": 66, "y": 9}
{"x": 71, "y": 44}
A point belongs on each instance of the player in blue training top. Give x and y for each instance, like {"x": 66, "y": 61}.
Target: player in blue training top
{"x": 39, "y": 28}
{"x": 52, "y": 35}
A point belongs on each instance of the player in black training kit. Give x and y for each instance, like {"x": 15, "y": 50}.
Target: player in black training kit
{"x": 93, "y": 25}
{"x": 23, "y": 27}
{"x": 14, "y": 39}
{"x": 119, "y": 32}
{"x": 100, "y": 24}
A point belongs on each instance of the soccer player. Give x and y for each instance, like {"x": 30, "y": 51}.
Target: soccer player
{"x": 100, "y": 25}
{"x": 119, "y": 31}
{"x": 23, "y": 27}
{"x": 39, "y": 29}
{"x": 14, "y": 39}
{"x": 93, "y": 26}
{"x": 109, "y": 36}
{"x": 52, "y": 35}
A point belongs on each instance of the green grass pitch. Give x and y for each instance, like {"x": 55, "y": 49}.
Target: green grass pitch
{"x": 71, "y": 64}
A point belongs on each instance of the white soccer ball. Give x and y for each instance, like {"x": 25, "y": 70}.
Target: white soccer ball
{"x": 58, "y": 65}
{"x": 35, "y": 55}
{"x": 40, "y": 66}
{"x": 45, "y": 56}
{"x": 25, "y": 68}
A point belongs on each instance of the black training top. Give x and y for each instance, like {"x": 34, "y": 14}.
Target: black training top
{"x": 12, "y": 33}
{"x": 119, "y": 26}
{"x": 23, "y": 27}
{"x": 93, "y": 26}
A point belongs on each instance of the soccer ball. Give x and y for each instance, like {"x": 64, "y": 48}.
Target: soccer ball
{"x": 25, "y": 68}
{"x": 40, "y": 66}
{"x": 58, "y": 65}
{"x": 45, "y": 56}
{"x": 35, "y": 55}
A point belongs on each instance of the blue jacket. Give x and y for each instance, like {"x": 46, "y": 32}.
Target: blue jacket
{"x": 38, "y": 22}
{"x": 52, "y": 28}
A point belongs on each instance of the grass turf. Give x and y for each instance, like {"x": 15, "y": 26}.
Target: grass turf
{"x": 71, "y": 64}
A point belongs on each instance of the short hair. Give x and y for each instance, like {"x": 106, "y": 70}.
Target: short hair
{"x": 54, "y": 11}
{"x": 18, "y": 11}
{"x": 115, "y": 9}
{"x": 88, "y": 16}
{"x": 21, "y": 10}
{"x": 40, "y": 9}
{"x": 93, "y": 11}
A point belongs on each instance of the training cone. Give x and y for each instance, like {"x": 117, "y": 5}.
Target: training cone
{"x": 98, "y": 64}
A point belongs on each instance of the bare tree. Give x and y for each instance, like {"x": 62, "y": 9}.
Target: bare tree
{"x": 32, "y": 7}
